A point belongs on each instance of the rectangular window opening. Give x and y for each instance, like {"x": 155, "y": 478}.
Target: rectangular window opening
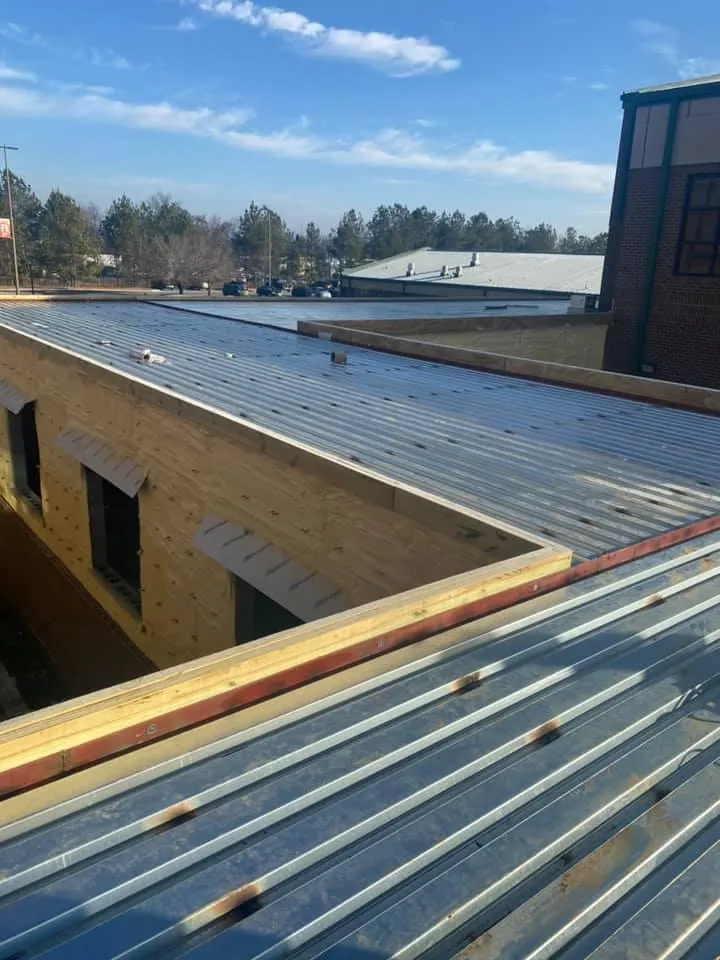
{"x": 256, "y": 615}
{"x": 115, "y": 536}
{"x": 698, "y": 253}
{"x": 25, "y": 452}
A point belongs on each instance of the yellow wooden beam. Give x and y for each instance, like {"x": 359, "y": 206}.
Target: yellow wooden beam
{"x": 67, "y": 726}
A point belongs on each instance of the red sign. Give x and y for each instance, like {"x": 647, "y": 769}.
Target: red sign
{"x": 5, "y": 229}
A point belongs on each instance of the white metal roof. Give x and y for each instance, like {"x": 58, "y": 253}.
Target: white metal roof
{"x": 552, "y": 272}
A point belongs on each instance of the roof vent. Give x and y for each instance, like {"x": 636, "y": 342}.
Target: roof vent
{"x": 458, "y": 272}
{"x": 444, "y": 270}
{"x": 410, "y": 272}
{"x": 474, "y": 260}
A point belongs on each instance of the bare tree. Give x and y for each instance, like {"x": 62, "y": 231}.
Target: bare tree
{"x": 94, "y": 220}
{"x": 203, "y": 252}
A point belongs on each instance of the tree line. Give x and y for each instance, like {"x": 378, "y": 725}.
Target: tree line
{"x": 62, "y": 240}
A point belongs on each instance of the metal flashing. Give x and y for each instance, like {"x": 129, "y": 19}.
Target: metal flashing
{"x": 11, "y": 398}
{"x": 100, "y": 457}
{"x": 305, "y": 594}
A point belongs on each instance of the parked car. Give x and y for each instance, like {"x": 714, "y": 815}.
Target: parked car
{"x": 166, "y": 285}
{"x": 266, "y": 290}
{"x": 322, "y": 292}
{"x": 234, "y": 288}
{"x": 302, "y": 291}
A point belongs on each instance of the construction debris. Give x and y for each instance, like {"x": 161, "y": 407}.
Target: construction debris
{"x": 147, "y": 356}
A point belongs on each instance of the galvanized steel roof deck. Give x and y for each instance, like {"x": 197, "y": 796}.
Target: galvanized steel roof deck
{"x": 549, "y": 787}
{"x": 591, "y": 472}
{"x": 289, "y": 312}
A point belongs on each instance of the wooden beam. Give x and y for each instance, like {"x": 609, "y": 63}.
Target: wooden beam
{"x": 179, "y": 692}
{"x": 57, "y": 739}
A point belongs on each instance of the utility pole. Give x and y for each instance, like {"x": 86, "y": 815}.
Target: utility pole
{"x": 269, "y": 220}
{"x": 5, "y": 148}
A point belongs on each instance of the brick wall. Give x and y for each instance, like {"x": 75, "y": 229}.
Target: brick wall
{"x": 683, "y": 338}
{"x": 683, "y": 335}
{"x": 628, "y": 285}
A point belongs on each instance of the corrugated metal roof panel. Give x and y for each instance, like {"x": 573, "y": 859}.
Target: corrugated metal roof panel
{"x": 304, "y": 593}
{"x": 549, "y": 272}
{"x": 11, "y": 398}
{"x": 549, "y": 787}
{"x": 100, "y": 457}
{"x": 592, "y": 472}
{"x": 288, "y": 313}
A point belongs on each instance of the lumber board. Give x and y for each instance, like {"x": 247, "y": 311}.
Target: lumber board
{"x": 61, "y": 728}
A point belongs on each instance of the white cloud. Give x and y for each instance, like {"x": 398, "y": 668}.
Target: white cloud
{"x": 692, "y": 67}
{"x": 96, "y": 56}
{"x": 395, "y": 181}
{"x": 93, "y": 89}
{"x": 399, "y": 56}
{"x": 186, "y": 25}
{"x": 19, "y": 34}
{"x": 96, "y": 107}
{"x": 395, "y": 148}
{"x": 657, "y": 38}
{"x": 10, "y": 73}
{"x": 392, "y": 149}
{"x": 664, "y": 41}
{"x": 163, "y": 184}
{"x": 108, "y": 59}
{"x": 569, "y": 81}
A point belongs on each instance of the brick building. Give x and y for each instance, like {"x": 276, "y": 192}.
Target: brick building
{"x": 662, "y": 269}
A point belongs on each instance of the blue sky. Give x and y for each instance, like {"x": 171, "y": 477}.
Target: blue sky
{"x": 316, "y": 106}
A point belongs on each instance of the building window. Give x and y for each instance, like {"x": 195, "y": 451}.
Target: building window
{"x": 699, "y": 248}
{"x": 115, "y": 536}
{"x": 256, "y": 615}
{"x": 25, "y": 452}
